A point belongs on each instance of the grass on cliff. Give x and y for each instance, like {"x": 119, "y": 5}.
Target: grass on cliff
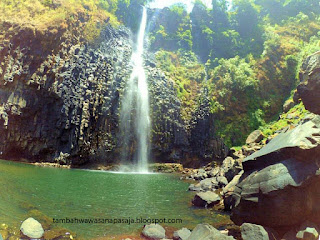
{"x": 187, "y": 74}
{"x": 289, "y": 119}
{"x": 89, "y": 15}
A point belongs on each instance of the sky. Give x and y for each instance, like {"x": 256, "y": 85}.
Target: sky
{"x": 167, "y": 3}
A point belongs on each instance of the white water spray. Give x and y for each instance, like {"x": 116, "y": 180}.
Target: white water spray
{"x": 135, "y": 105}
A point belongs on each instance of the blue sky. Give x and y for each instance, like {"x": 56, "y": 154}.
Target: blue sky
{"x": 166, "y": 3}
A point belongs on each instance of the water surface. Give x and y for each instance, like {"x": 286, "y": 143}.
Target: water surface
{"x": 61, "y": 193}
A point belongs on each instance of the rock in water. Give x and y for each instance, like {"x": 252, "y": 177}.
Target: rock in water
{"x": 181, "y": 234}
{"x": 32, "y": 228}
{"x": 207, "y": 232}
{"x": 309, "y": 88}
{"x": 252, "y": 231}
{"x": 206, "y": 199}
{"x": 154, "y": 231}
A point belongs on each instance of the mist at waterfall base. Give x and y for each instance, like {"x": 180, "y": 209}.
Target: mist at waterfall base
{"x": 134, "y": 114}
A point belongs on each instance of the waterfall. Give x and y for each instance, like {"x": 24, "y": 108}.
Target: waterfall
{"x": 135, "y": 119}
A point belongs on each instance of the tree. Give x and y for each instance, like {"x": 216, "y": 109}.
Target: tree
{"x": 247, "y": 21}
{"x": 201, "y": 33}
{"x": 219, "y": 12}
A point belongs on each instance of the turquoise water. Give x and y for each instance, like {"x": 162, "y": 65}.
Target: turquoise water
{"x": 63, "y": 193}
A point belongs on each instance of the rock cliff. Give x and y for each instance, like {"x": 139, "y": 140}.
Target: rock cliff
{"x": 60, "y": 100}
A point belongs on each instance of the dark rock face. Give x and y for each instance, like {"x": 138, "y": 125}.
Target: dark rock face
{"x": 68, "y": 104}
{"x": 63, "y": 105}
{"x": 278, "y": 188}
{"x": 203, "y": 141}
{"x": 309, "y": 88}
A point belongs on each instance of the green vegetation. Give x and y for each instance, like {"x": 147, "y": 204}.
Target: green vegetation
{"x": 286, "y": 120}
{"x": 187, "y": 74}
{"x": 172, "y": 30}
{"x": 252, "y": 53}
{"x": 89, "y": 15}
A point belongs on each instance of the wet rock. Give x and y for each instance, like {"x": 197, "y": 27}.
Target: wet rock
{"x": 195, "y": 187}
{"x": 206, "y": 199}
{"x": 252, "y": 231}
{"x": 254, "y": 137}
{"x": 181, "y": 234}
{"x": 309, "y": 87}
{"x": 32, "y": 228}
{"x": 207, "y": 232}
{"x": 154, "y": 231}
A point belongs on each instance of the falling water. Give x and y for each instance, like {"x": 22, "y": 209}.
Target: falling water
{"x": 135, "y": 105}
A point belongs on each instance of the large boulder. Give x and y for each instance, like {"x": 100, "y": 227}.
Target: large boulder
{"x": 279, "y": 186}
{"x": 206, "y": 199}
{"x": 309, "y": 88}
{"x": 252, "y": 231}
{"x": 154, "y": 231}
{"x": 32, "y": 228}
{"x": 207, "y": 232}
{"x": 301, "y": 143}
{"x": 277, "y": 195}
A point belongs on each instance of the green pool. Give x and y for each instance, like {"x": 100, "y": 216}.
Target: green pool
{"x": 95, "y": 195}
